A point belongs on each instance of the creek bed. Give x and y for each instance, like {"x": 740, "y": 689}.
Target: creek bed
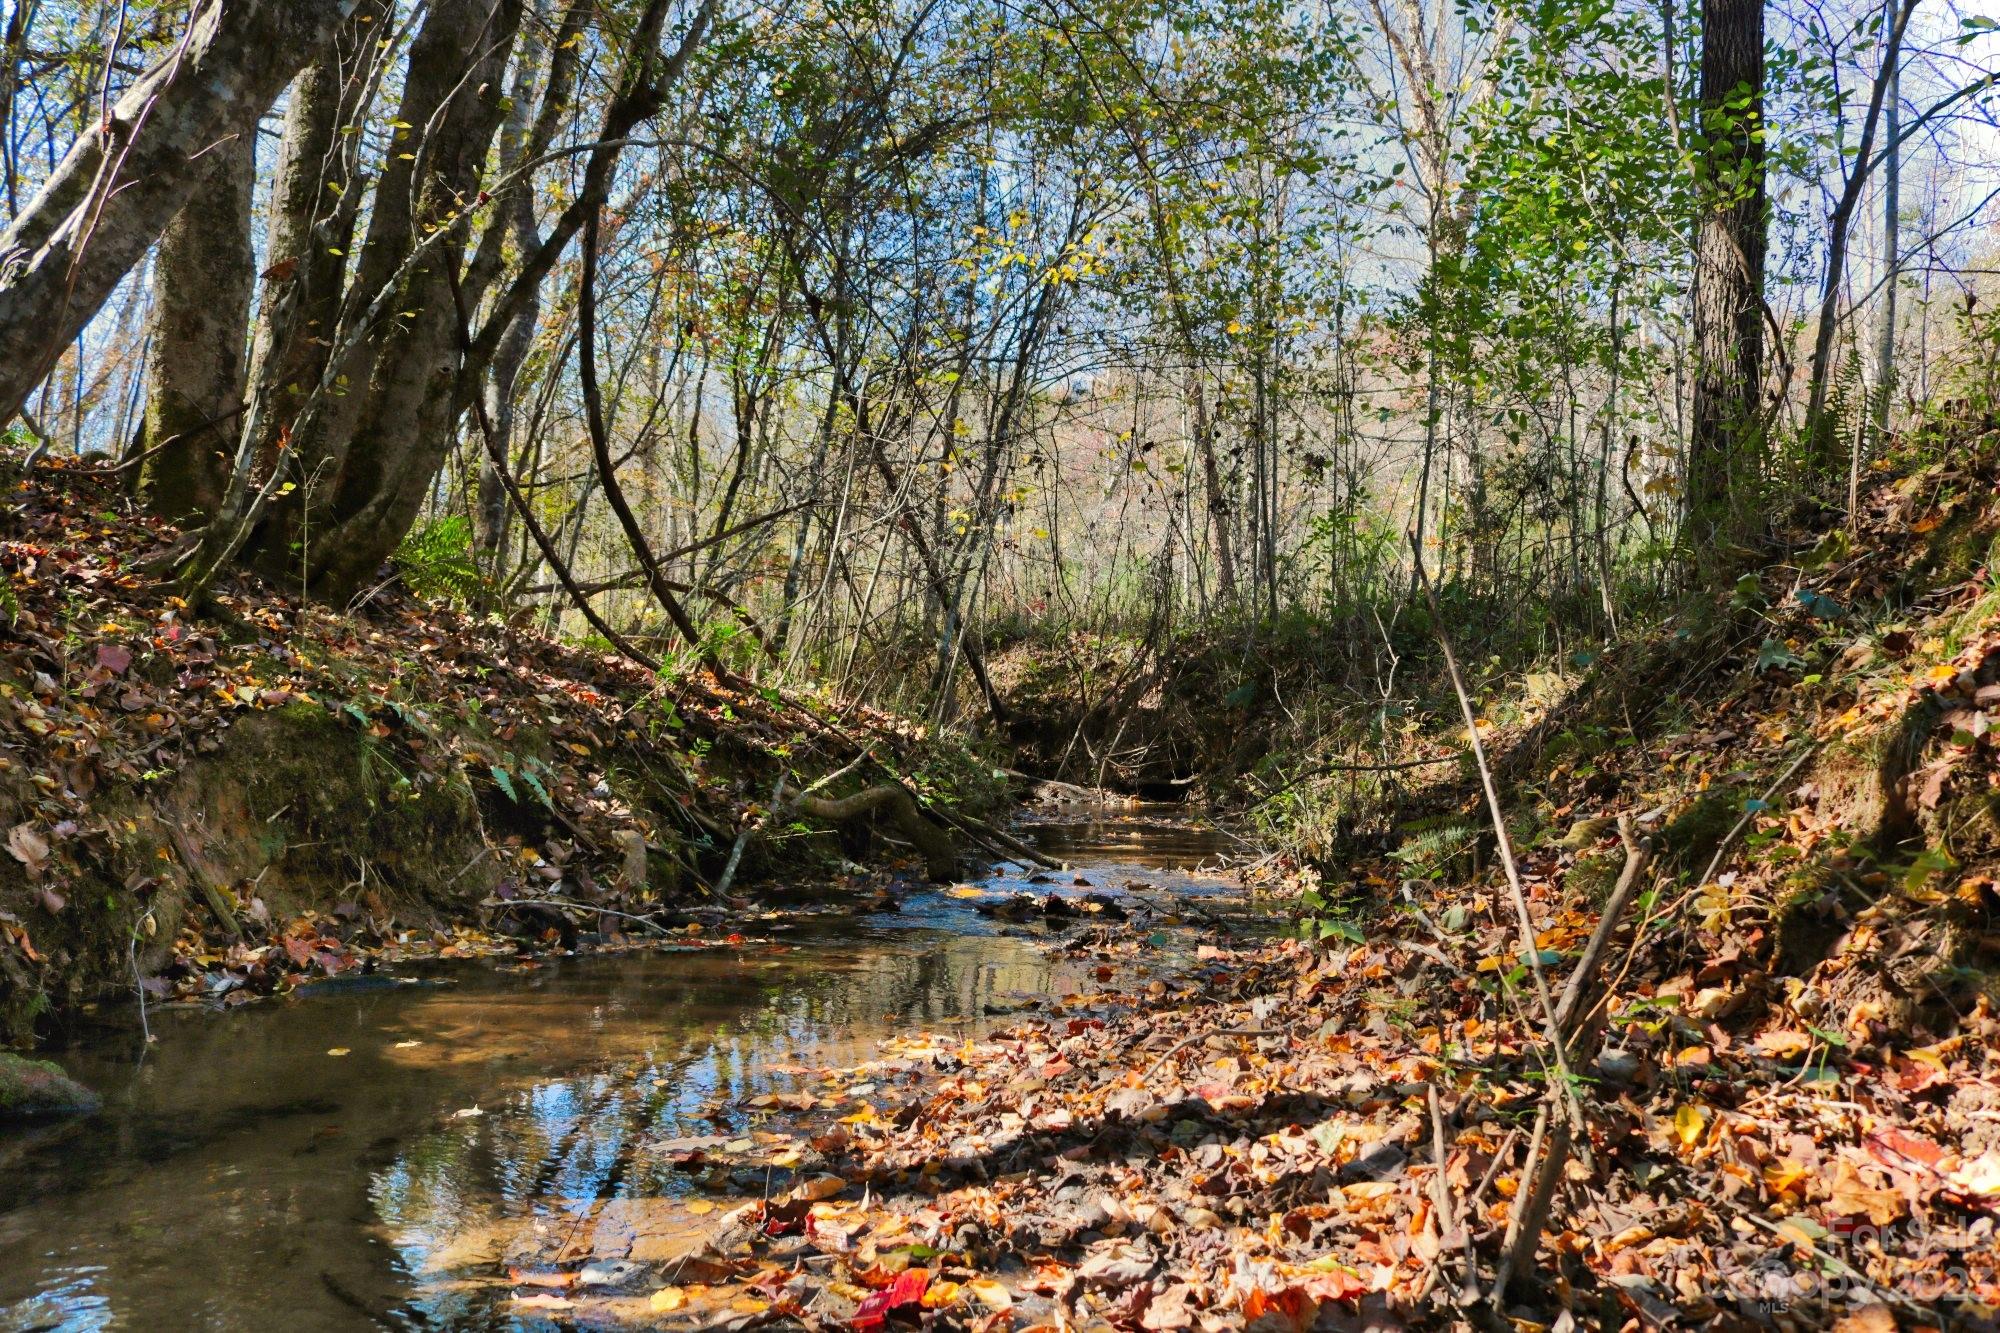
{"x": 338, "y": 1160}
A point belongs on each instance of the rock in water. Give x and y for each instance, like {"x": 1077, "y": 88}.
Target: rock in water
{"x": 39, "y": 1090}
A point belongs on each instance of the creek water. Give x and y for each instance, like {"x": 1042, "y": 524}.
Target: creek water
{"x": 331, "y": 1160}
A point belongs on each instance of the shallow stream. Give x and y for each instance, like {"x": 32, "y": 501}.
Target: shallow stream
{"x": 333, "y": 1160}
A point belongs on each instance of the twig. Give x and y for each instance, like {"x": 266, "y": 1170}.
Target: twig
{"x": 213, "y": 892}
{"x": 1845, "y": 1269}
{"x": 728, "y": 875}
{"x": 1440, "y": 1187}
{"x": 1751, "y": 812}
{"x": 139, "y": 982}
{"x": 576, "y": 907}
{"x": 1009, "y": 846}
{"x": 1469, "y": 1286}
{"x": 1524, "y": 1224}
{"x": 127, "y": 464}
{"x": 1186, "y": 1042}
{"x": 1524, "y": 919}
{"x": 1322, "y": 770}
{"x": 1714, "y": 862}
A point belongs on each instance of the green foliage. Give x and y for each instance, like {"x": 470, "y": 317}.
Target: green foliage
{"x": 436, "y": 560}
{"x": 1431, "y": 845}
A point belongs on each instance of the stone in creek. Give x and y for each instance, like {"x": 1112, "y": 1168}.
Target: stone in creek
{"x": 39, "y": 1090}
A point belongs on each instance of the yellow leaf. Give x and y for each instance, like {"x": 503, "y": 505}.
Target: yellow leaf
{"x": 819, "y": 1188}
{"x": 1942, "y": 671}
{"x": 940, "y": 1296}
{"x": 1689, "y": 1122}
{"x": 700, "y": 1207}
{"x": 338, "y": 1050}
{"x": 1785, "y": 1177}
{"x": 991, "y": 1294}
{"x": 668, "y": 1298}
{"x": 1784, "y": 1042}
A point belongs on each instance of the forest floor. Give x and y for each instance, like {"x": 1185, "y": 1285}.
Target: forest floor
{"x": 219, "y": 806}
{"x": 1784, "y": 1082}
{"x": 1783, "y": 1091}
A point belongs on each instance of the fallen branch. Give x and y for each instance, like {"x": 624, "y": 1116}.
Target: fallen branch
{"x": 1714, "y": 862}
{"x": 1516, "y": 891}
{"x": 1323, "y": 770}
{"x": 213, "y": 892}
{"x": 565, "y": 905}
{"x": 1010, "y": 847}
{"x": 1638, "y": 852}
{"x": 750, "y": 827}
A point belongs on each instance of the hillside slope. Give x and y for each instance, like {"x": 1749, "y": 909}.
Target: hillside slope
{"x": 223, "y": 804}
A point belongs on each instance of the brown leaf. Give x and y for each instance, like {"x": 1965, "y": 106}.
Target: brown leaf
{"x": 1854, "y": 1197}
{"x": 1932, "y": 791}
{"x": 28, "y": 847}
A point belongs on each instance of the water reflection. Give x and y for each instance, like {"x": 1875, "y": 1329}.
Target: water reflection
{"x": 242, "y": 1175}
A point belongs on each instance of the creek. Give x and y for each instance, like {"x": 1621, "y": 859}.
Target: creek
{"x": 347, "y": 1158}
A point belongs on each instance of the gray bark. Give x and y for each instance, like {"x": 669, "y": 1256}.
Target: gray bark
{"x": 198, "y": 325}
{"x": 365, "y": 459}
{"x": 123, "y": 181}
{"x": 515, "y": 227}
{"x": 1892, "y": 207}
{"x": 315, "y": 195}
{"x": 1819, "y": 430}
{"x": 1723, "y": 449}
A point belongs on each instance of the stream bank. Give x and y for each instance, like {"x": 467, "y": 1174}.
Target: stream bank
{"x": 231, "y": 804}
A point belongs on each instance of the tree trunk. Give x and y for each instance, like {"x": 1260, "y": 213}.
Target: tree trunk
{"x": 1725, "y": 451}
{"x": 199, "y": 324}
{"x": 1217, "y": 498}
{"x": 1892, "y": 207}
{"x": 123, "y": 181}
{"x": 1822, "y": 434}
{"x": 364, "y": 463}
{"x": 316, "y": 195}
{"x": 516, "y": 228}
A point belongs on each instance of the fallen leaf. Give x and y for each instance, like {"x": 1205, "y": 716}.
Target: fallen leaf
{"x": 991, "y": 1294}
{"x": 1854, "y": 1197}
{"x": 907, "y": 1289}
{"x": 1689, "y": 1122}
{"x": 1868, "y": 1319}
{"x": 28, "y": 847}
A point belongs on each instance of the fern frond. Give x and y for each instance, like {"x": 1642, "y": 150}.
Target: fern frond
{"x": 436, "y": 561}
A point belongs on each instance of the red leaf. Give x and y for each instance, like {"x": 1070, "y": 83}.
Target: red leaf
{"x": 1901, "y": 1149}
{"x": 908, "y": 1289}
